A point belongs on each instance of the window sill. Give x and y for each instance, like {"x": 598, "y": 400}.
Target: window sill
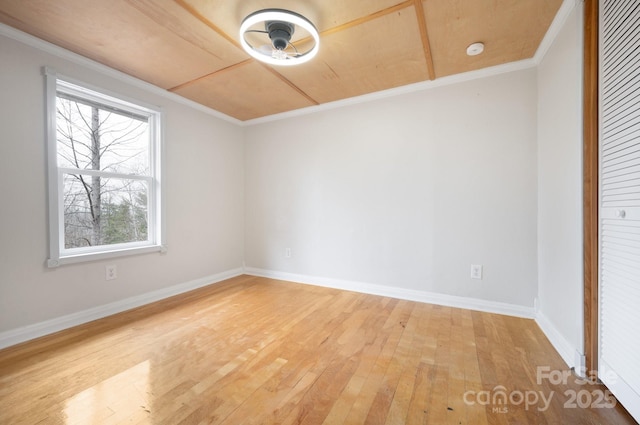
{"x": 103, "y": 255}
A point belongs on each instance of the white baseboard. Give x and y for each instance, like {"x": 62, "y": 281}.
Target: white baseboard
{"x": 559, "y": 342}
{"x": 400, "y": 293}
{"x": 567, "y": 351}
{"x": 564, "y": 348}
{"x": 36, "y": 330}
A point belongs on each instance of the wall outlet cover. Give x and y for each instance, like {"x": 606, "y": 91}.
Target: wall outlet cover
{"x": 111, "y": 272}
{"x": 476, "y": 271}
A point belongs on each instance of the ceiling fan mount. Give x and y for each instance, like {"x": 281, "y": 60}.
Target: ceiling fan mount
{"x": 280, "y": 33}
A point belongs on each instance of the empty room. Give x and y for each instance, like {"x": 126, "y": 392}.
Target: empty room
{"x": 319, "y": 212}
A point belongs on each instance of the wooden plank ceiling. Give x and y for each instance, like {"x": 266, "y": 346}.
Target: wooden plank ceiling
{"x": 191, "y": 48}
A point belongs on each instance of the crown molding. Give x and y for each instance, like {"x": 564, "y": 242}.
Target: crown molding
{"x": 556, "y": 26}
{"x": 397, "y": 91}
{"x": 554, "y": 29}
{"x": 65, "y": 54}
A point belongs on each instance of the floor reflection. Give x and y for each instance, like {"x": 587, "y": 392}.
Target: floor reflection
{"x": 124, "y": 397}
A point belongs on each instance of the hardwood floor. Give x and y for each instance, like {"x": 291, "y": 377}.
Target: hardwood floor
{"x": 257, "y": 351}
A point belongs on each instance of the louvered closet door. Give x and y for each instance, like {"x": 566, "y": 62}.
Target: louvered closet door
{"x": 619, "y": 315}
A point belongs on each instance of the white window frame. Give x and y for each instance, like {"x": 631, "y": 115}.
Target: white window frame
{"x": 58, "y": 254}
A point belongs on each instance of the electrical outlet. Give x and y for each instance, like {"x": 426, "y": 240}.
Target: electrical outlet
{"x": 287, "y": 252}
{"x": 111, "y": 272}
{"x": 476, "y": 271}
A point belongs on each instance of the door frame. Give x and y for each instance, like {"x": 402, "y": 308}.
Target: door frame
{"x": 590, "y": 183}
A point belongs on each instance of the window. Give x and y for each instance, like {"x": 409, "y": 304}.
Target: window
{"x": 104, "y": 174}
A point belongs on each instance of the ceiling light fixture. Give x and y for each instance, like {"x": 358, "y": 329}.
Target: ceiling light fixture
{"x": 279, "y": 25}
{"x": 475, "y": 49}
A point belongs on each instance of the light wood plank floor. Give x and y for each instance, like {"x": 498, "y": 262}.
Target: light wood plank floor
{"x": 258, "y": 351}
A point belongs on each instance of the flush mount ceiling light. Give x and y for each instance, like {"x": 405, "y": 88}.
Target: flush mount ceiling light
{"x": 266, "y": 36}
{"x": 475, "y": 49}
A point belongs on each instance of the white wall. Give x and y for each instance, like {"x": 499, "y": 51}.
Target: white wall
{"x": 204, "y": 181}
{"x": 405, "y": 192}
{"x": 560, "y": 284}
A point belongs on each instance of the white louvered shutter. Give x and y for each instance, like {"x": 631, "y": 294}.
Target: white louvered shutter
{"x": 619, "y": 315}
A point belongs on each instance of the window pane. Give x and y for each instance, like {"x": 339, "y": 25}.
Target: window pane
{"x": 104, "y": 211}
{"x": 93, "y": 138}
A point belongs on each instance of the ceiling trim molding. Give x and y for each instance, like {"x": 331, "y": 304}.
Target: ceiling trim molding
{"x": 410, "y": 88}
{"x": 194, "y": 12}
{"x": 424, "y": 35}
{"x": 289, "y": 83}
{"x": 554, "y": 29}
{"x": 68, "y": 55}
{"x": 368, "y": 18}
{"x": 218, "y": 72}
{"x": 556, "y": 26}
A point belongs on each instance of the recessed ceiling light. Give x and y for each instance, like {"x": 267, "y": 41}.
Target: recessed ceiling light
{"x": 277, "y": 26}
{"x": 475, "y": 49}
